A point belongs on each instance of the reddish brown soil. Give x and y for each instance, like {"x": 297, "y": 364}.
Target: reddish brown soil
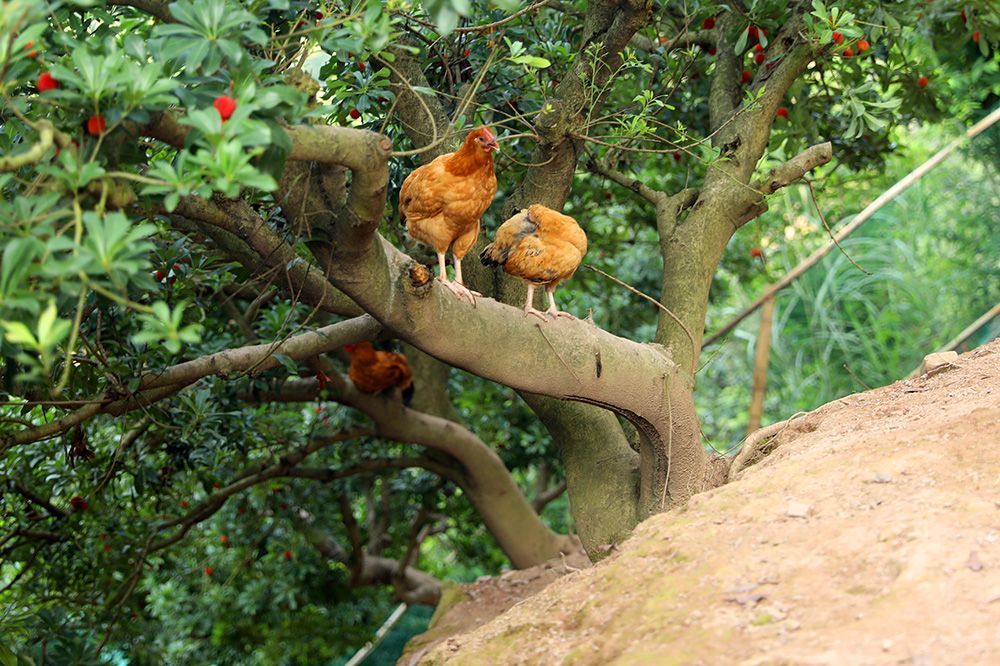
{"x": 870, "y": 536}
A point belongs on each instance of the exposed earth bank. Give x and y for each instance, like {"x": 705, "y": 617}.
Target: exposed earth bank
{"x": 871, "y": 535}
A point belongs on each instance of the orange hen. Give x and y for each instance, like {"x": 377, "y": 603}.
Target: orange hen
{"x": 540, "y": 246}
{"x": 375, "y": 371}
{"x": 441, "y": 202}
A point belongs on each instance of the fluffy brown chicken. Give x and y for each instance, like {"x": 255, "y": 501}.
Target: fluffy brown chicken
{"x": 543, "y": 248}
{"x": 377, "y": 371}
{"x": 441, "y": 202}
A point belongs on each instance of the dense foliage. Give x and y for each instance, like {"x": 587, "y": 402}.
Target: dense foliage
{"x": 104, "y": 280}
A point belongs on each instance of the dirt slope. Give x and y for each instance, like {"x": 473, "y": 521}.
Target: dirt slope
{"x": 870, "y": 536}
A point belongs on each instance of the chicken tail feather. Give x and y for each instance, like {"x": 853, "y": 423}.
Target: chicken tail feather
{"x": 492, "y": 255}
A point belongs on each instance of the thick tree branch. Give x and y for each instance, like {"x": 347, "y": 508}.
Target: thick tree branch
{"x": 413, "y": 587}
{"x": 155, "y": 387}
{"x": 788, "y": 172}
{"x": 255, "y": 359}
{"x": 484, "y": 478}
{"x": 570, "y": 360}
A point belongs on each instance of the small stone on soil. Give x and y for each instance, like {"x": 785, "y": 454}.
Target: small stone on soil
{"x": 798, "y": 510}
{"x": 974, "y": 563}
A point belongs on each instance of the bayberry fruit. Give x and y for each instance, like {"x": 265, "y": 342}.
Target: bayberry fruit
{"x": 226, "y": 106}
{"x": 48, "y": 82}
{"x": 96, "y": 125}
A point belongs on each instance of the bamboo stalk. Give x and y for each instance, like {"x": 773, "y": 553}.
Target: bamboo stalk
{"x": 380, "y": 635}
{"x": 760, "y": 365}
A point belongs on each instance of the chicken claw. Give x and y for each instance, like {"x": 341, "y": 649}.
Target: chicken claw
{"x": 559, "y": 313}
{"x": 460, "y": 290}
{"x": 538, "y": 313}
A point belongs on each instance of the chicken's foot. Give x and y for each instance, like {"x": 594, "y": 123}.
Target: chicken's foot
{"x": 553, "y": 308}
{"x": 455, "y": 287}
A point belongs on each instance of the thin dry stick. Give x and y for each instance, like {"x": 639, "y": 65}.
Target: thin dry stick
{"x": 670, "y": 443}
{"x": 486, "y": 27}
{"x": 694, "y": 346}
{"x": 829, "y": 231}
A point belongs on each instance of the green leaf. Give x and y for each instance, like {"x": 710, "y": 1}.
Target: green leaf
{"x": 531, "y": 61}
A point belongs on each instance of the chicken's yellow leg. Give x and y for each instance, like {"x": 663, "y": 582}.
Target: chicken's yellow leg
{"x": 553, "y": 309}
{"x": 529, "y": 304}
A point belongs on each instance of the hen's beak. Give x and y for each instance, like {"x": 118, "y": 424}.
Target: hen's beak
{"x": 491, "y": 145}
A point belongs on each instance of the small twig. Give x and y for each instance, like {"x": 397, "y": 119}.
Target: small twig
{"x": 812, "y": 194}
{"x": 856, "y": 378}
{"x": 486, "y": 27}
{"x": 567, "y": 565}
{"x": 694, "y": 346}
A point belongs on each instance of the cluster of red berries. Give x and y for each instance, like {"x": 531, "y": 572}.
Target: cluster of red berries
{"x": 168, "y": 276}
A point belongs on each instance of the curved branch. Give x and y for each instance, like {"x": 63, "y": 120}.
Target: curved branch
{"x": 155, "y": 387}
{"x": 484, "y": 478}
{"x": 254, "y": 359}
{"x": 572, "y": 360}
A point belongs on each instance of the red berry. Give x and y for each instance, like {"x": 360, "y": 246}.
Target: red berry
{"x": 288, "y": 554}
{"x": 318, "y": 15}
{"x": 107, "y": 548}
{"x": 677, "y": 156}
{"x": 758, "y": 48}
{"x": 757, "y": 253}
{"x": 382, "y": 100}
{"x": 747, "y": 76}
{"x": 185, "y": 504}
{"x": 172, "y": 279}
{"x": 607, "y": 194}
{"x": 225, "y": 105}
{"x": 48, "y": 82}
{"x": 863, "y": 45}
{"x": 78, "y": 503}
{"x": 962, "y": 14}
{"x": 782, "y": 112}
{"x": 466, "y": 53}
{"x": 241, "y": 509}
{"x": 708, "y": 24}
{"x": 208, "y": 571}
{"x": 159, "y": 275}
{"x": 848, "y": 52}
{"x": 923, "y": 81}
{"x": 759, "y": 58}
{"x": 752, "y": 32}
{"x": 837, "y": 38}
{"x": 712, "y": 51}
{"x": 32, "y": 53}
{"x": 223, "y": 539}
{"x": 216, "y": 485}
{"x": 96, "y": 125}
{"x": 284, "y": 506}
{"x": 355, "y": 114}
{"x": 176, "y": 267}
{"x": 975, "y": 36}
